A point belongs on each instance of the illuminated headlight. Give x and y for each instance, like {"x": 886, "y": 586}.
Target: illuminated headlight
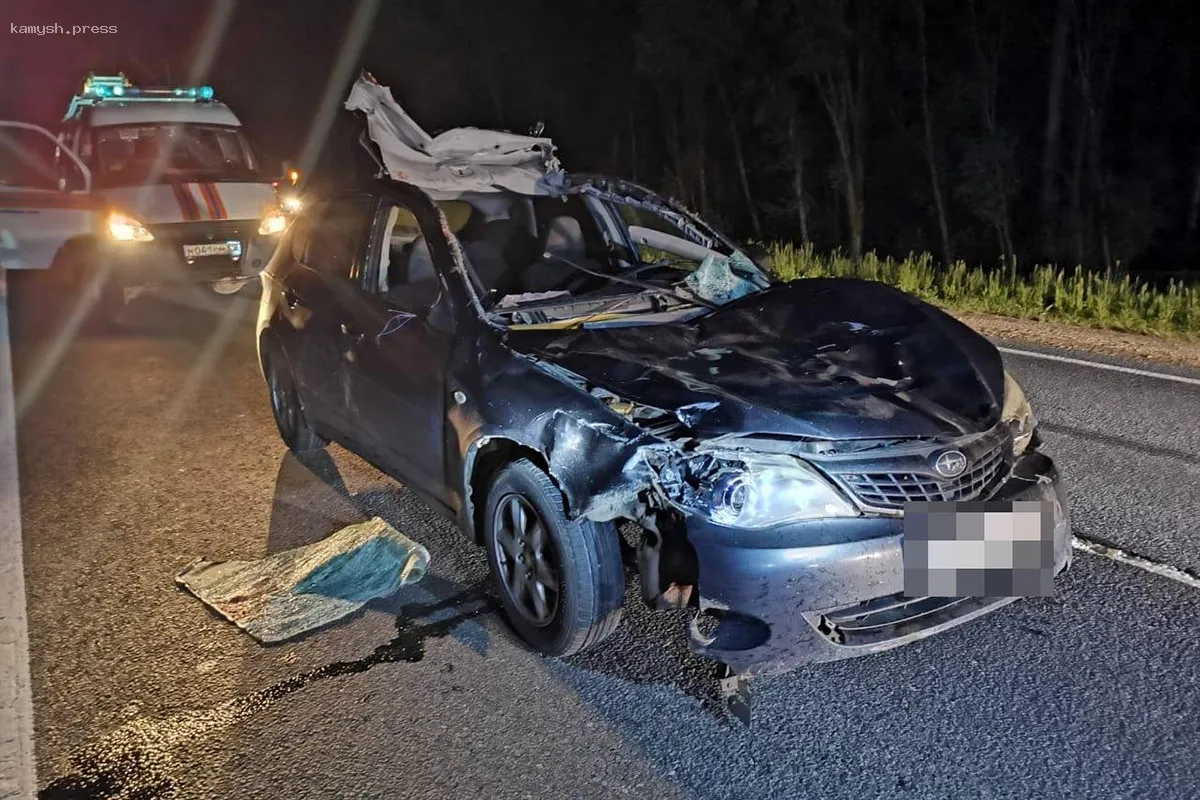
{"x": 273, "y": 223}
{"x": 291, "y": 204}
{"x": 1018, "y": 415}
{"x": 124, "y": 228}
{"x": 758, "y": 491}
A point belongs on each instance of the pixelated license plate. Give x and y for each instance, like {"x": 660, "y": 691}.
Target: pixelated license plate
{"x": 979, "y": 549}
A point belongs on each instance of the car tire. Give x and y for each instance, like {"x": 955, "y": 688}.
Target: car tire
{"x": 76, "y": 286}
{"x": 286, "y": 408}
{"x": 581, "y": 557}
{"x": 106, "y": 315}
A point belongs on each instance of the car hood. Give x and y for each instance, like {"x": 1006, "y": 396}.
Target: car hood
{"x": 819, "y": 358}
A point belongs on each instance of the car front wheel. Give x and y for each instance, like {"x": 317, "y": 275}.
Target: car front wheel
{"x": 561, "y": 581}
{"x": 294, "y": 429}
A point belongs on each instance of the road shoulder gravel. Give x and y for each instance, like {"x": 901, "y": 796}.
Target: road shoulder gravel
{"x": 1179, "y": 352}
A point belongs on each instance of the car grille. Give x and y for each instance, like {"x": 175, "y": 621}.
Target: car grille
{"x": 178, "y": 234}
{"x": 891, "y": 490}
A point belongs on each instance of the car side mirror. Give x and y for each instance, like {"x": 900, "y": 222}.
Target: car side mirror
{"x": 440, "y": 317}
{"x": 621, "y": 252}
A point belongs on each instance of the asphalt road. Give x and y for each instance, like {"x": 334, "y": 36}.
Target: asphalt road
{"x": 142, "y": 452}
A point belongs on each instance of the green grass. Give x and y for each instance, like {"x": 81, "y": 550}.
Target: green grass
{"x": 1049, "y": 293}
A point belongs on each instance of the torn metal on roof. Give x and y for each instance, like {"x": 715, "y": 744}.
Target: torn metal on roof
{"x": 460, "y": 159}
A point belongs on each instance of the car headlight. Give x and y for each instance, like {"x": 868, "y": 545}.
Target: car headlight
{"x": 274, "y": 222}
{"x": 1018, "y": 415}
{"x": 124, "y": 228}
{"x": 758, "y": 491}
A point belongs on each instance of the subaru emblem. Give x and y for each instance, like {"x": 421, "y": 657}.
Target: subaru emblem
{"x": 951, "y": 464}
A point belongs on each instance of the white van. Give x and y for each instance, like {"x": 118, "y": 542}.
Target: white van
{"x": 188, "y": 199}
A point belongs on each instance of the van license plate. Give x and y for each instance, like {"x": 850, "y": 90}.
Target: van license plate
{"x": 201, "y": 250}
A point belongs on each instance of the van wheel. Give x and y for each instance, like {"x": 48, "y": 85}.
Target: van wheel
{"x": 561, "y": 581}
{"x": 294, "y": 429}
{"x": 108, "y": 308}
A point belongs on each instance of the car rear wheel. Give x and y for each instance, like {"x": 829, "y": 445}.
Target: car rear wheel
{"x": 294, "y": 429}
{"x": 561, "y": 581}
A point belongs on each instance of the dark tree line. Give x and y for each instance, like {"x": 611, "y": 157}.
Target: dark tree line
{"x": 986, "y": 130}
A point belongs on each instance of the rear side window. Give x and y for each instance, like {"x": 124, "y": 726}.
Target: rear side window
{"x": 337, "y": 235}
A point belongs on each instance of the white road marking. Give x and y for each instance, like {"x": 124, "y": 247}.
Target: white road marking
{"x": 18, "y": 778}
{"x": 1145, "y": 373}
{"x": 1122, "y": 557}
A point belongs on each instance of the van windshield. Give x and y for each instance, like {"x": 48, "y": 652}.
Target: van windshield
{"x": 128, "y": 155}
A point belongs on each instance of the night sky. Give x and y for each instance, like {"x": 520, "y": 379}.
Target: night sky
{"x": 750, "y": 111}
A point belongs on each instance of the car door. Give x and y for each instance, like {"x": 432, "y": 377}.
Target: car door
{"x": 43, "y": 204}
{"x": 398, "y": 370}
{"x": 322, "y": 298}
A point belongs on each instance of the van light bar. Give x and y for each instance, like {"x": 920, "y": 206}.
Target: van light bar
{"x": 102, "y": 86}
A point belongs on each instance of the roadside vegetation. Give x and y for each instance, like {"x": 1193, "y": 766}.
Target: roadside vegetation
{"x": 1043, "y": 292}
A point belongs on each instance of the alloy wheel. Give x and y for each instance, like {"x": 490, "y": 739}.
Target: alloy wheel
{"x": 528, "y": 562}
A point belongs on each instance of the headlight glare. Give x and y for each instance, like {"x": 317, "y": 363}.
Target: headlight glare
{"x": 274, "y": 222}
{"x": 1017, "y": 414}
{"x": 124, "y": 228}
{"x": 760, "y": 491}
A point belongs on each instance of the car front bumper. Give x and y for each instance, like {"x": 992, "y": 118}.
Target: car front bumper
{"x": 161, "y": 262}
{"x": 839, "y": 594}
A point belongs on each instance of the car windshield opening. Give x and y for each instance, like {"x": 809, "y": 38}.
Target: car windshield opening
{"x": 559, "y": 260}
{"x": 132, "y": 154}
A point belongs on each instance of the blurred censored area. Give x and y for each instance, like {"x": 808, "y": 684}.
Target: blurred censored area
{"x": 979, "y": 549}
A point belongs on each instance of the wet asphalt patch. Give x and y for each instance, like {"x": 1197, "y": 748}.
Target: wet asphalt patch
{"x": 136, "y": 761}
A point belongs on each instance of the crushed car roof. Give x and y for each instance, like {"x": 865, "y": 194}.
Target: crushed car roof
{"x": 460, "y": 159}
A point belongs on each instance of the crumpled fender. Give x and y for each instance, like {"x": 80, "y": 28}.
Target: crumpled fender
{"x": 596, "y": 457}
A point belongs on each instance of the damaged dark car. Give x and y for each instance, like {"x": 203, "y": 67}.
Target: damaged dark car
{"x": 546, "y": 360}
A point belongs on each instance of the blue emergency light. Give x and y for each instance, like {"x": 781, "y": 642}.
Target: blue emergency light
{"x": 104, "y": 86}
{"x": 98, "y": 88}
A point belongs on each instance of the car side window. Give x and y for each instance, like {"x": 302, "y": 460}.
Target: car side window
{"x": 336, "y": 235}
{"x": 405, "y": 275}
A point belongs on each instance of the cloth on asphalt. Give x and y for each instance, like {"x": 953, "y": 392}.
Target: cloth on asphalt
{"x": 297, "y": 591}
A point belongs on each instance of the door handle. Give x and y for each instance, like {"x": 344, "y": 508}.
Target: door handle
{"x": 354, "y": 336}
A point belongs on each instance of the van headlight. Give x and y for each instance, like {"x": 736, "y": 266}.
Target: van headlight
{"x": 124, "y": 228}
{"x": 274, "y": 222}
{"x": 754, "y": 490}
{"x": 1018, "y": 415}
